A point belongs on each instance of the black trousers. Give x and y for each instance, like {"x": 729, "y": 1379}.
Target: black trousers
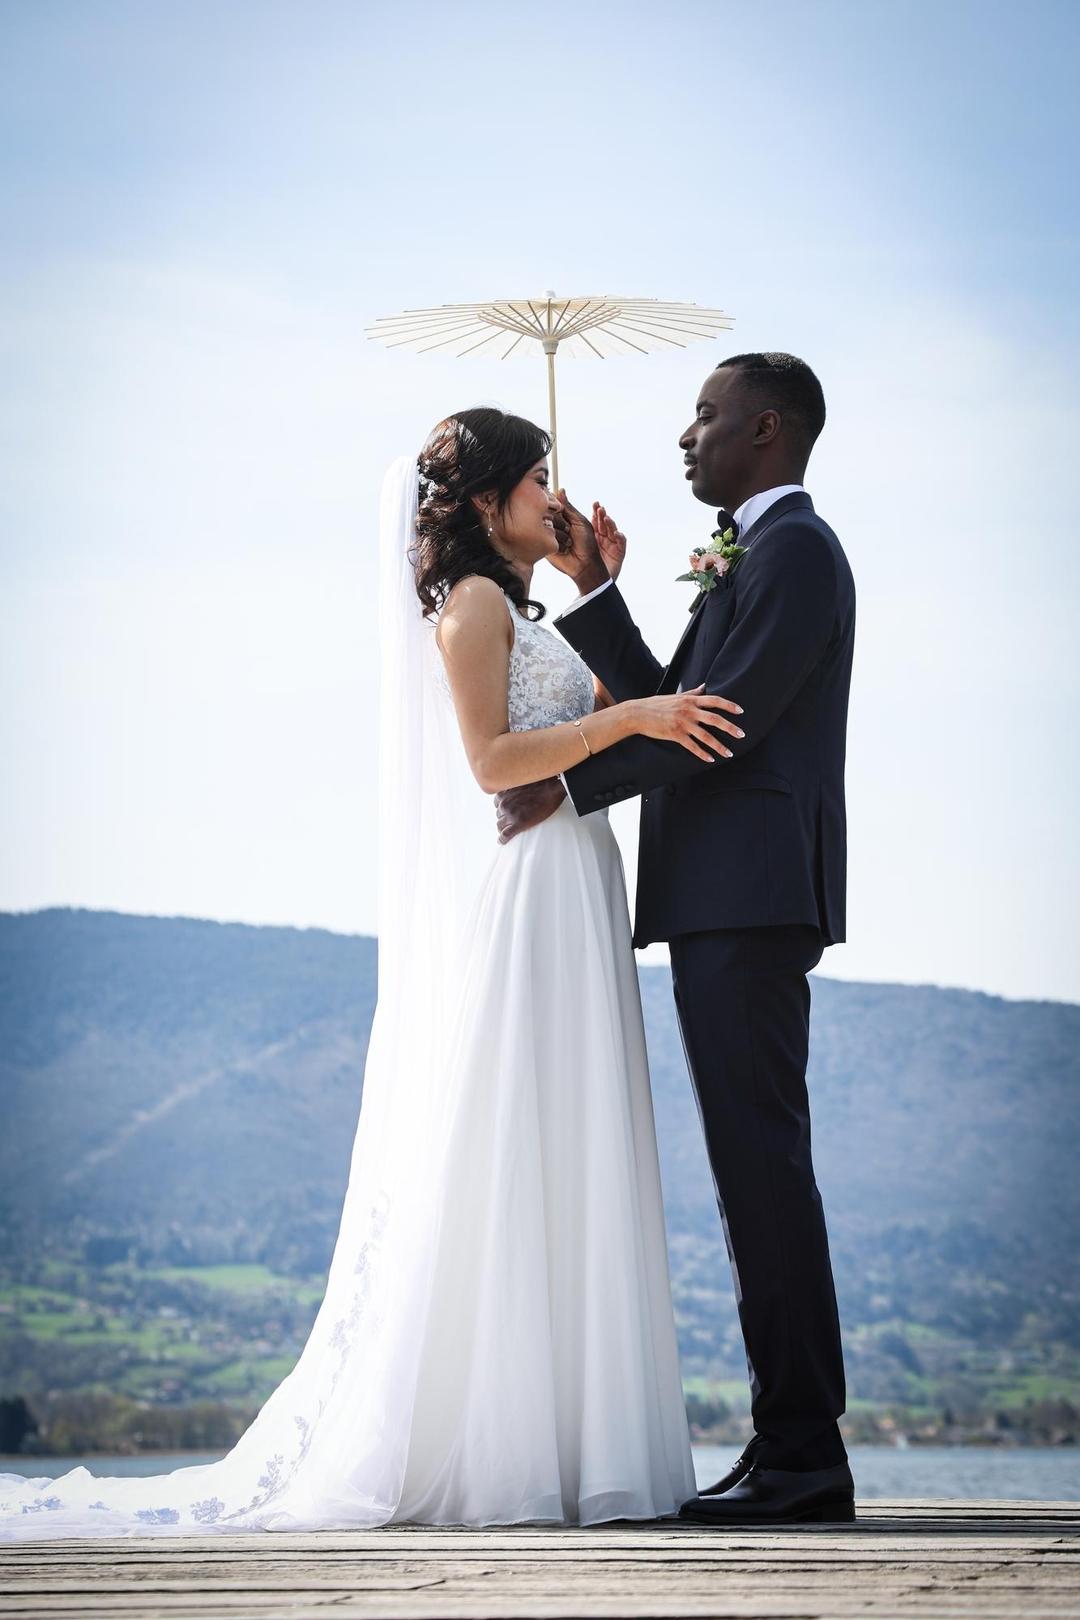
{"x": 744, "y": 1010}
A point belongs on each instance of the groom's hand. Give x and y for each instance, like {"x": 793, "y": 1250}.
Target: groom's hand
{"x": 578, "y": 554}
{"x": 518, "y": 809}
{"x": 610, "y": 539}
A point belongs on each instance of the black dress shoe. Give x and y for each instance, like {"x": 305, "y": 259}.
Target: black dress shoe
{"x": 779, "y": 1496}
{"x": 738, "y": 1470}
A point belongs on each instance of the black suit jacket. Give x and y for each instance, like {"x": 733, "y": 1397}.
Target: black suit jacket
{"x": 759, "y": 839}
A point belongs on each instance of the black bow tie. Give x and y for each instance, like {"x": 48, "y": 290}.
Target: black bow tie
{"x": 724, "y": 520}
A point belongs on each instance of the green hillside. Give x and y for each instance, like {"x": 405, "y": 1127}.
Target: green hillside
{"x": 180, "y": 1097}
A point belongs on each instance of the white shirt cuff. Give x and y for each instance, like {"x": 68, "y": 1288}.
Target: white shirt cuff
{"x": 581, "y": 600}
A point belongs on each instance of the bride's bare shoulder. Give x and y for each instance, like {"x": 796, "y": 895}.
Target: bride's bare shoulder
{"x": 474, "y": 606}
{"x": 474, "y": 589}
{"x": 473, "y": 601}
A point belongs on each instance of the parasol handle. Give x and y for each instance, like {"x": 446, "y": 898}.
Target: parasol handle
{"x": 550, "y": 345}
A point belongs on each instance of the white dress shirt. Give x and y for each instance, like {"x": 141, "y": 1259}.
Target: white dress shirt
{"x": 751, "y": 510}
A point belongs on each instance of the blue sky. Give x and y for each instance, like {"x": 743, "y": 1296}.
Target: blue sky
{"x": 206, "y": 204}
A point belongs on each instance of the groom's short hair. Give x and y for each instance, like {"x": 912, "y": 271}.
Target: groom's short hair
{"x": 784, "y": 383}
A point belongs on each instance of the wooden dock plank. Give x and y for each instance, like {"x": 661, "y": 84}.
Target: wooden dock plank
{"x": 931, "y": 1560}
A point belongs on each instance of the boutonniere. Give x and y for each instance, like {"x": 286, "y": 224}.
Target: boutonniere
{"x": 709, "y": 564}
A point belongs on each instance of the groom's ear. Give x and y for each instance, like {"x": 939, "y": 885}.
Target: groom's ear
{"x": 767, "y": 427}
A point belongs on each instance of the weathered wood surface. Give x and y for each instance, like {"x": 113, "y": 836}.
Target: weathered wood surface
{"x": 975, "y": 1560}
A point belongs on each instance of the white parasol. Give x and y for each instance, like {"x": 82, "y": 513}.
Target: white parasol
{"x": 600, "y": 326}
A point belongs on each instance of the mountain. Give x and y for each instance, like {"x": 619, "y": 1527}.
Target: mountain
{"x": 179, "y": 1101}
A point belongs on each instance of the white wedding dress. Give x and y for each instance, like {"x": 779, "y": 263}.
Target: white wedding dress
{"x": 496, "y": 1344}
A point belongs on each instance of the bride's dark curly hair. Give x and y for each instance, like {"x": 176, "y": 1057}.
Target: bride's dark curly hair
{"x": 467, "y": 454}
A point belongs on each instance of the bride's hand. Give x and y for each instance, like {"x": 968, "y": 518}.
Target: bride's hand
{"x": 610, "y": 540}
{"x": 683, "y": 717}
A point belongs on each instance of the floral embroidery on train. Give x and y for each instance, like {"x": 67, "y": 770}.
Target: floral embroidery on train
{"x": 277, "y": 1471}
{"x": 207, "y": 1512}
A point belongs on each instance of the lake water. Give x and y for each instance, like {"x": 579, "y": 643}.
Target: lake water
{"x": 1021, "y": 1473}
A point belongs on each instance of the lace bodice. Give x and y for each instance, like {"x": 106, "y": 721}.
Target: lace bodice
{"x": 548, "y": 681}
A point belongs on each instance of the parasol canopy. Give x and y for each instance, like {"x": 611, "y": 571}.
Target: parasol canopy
{"x": 598, "y": 327}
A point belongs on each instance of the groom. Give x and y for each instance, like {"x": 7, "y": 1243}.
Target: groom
{"x": 741, "y": 868}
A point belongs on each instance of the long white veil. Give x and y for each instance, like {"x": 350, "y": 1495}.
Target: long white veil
{"x": 329, "y": 1447}
{"x": 436, "y": 828}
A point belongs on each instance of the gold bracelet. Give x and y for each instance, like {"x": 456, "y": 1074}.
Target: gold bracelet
{"x": 583, "y": 737}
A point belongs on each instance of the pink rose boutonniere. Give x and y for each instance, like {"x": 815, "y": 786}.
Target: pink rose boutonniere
{"x": 709, "y": 564}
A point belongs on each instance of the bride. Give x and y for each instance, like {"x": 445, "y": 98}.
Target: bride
{"x": 496, "y": 1342}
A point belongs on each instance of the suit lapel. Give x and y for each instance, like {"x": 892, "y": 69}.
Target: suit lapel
{"x": 695, "y": 613}
{"x": 786, "y": 503}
